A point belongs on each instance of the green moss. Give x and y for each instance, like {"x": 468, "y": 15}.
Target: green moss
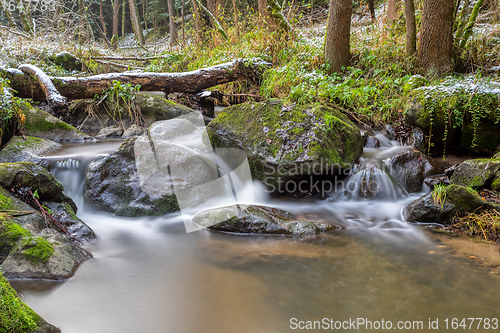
{"x": 37, "y": 249}
{"x": 41, "y": 121}
{"x": 11, "y": 232}
{"x": 414, "y": 82}
{"x": 284, "y": 136}
{"x": 453, "y": 107}
{"x": 15, "y": 316}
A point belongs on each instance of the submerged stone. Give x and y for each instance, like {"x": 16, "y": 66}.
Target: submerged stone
{"x": 254, "y": 219}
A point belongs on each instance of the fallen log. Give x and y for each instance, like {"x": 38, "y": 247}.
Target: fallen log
{"x": 55, "y": 100}
{"x": 189, "y": 82}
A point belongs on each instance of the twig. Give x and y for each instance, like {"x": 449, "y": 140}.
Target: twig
{"x": 15, "y": 32}
{"x": 116, "y": 64}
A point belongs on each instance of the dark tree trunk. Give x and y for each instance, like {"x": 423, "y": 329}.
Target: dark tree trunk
{"x": 116, "y": 13}
{"x": 101, "y": 16}
{"x": 173, "y": 28}
{"x": 136, "y": 24}
{"x": 411, "y": 28}
{"x": 391, "y": 10}
{"x": 198, "y": 23}
{"x": 435, "y": 49}
{"x": 124, "y": 17}
{"x": 371, "y": 8}
{"x": 88, "y": 87}
{"x": 338, "y": 31}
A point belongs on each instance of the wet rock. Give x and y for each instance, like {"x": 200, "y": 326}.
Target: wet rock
{"x": 29, "y": 175}
{"x": 26, "y": 175}
{"x": 30, "y": 150}
{"x": 372, "y": 142}
{"x": 456, "y": 201}
{"x": 436, "y": 180}
{"x": 110, "y": 132}
{"x": 133, "y": 130}
{"x": 67, "y": 61}
{"x": 32, "y": 248}
{"x": 112, "y": 184}
{"x": 417, "y": 139}
{"x": 288, "y": 143}
{"x": 478, "y": 173}
{"x": 48, "y": 255}
{"x": 253, "y": 219}
{"x": 44, "y": 125}
{"x": 412, "y": 167}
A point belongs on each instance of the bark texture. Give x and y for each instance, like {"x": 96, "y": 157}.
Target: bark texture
{"x": 411, "y": 28}
{"x": 435, "y": 50}
{"x": 338, "y": 31}
{"x": 134, "y": 17}
{"x": 391, "y": 10}
{"x": 173, "y": 27}
{"x": 88, "y": 87}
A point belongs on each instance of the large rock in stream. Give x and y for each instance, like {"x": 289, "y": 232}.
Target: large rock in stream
{"x": 288, "y": 143}
{"x": 454, "y": 201}
{"x": 410, "y": 168}
{"x": 139, "y": 179}
{"x": 261, "y": 220}
{"x": 30, "y": 149}
{"x": 32, "y": 246}
{"x": 478, "y": 174}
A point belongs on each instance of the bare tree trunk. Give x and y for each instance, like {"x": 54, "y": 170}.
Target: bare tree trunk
{"x": 145, "y": 13}
{"x": 198, "y": 24}
{"x": 116, "y": 13}
{"x": 371, "y": 8}
{"x": 411, "y": 28}
{"x": 124, "y": 17}
{"x": 391, "y": 10}
{"x": 236, "y": 21}
{"x": 134, "y": 17}
{"x": 183, "y": 23}
{"x": 101, "y": 15}
{"x": 173, "y": 28}
{"x": 436, "y": 36}
{"x": 82, "y": 36}
{"x": 338, "y": 30}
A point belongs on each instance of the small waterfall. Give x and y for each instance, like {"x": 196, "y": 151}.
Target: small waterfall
{"x": 71, "y": 173}
{"x": 371, "y": 182}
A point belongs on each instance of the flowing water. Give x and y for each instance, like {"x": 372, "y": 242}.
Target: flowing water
{"x": 149, "y": 275}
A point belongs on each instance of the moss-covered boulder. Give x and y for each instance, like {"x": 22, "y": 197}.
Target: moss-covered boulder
{"x": 285, "y": 143}
{"x": 16, "y": 316}
{"x": 259, "y": 220}
{"x": 112, "y": 184}
{"x": 32, "y": 248}
{"x": 41, "y": 124}
{"x": 91, "y": 116}
{"x": 414, "y": 82}
{"x": 30, "y": 149}
{"x": 478, "y": 174}
{"x": 10, "y": 115}
{"x": 67, "y": 61}
{"x": 453, "y": 201}
{"x": 458, "y": 114}
{"x": 21, "y": 176}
